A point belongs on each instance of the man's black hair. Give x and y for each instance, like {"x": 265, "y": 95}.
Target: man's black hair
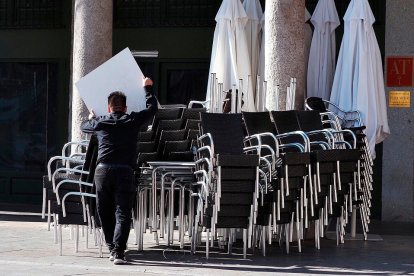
{"x": 117, "y": 101}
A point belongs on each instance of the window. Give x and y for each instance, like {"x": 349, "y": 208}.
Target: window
{"x": 185, "y": 85}
{"x": 26, "y": 89}
{"x": 165, "y": 13}
{"x": 31, "y": 14}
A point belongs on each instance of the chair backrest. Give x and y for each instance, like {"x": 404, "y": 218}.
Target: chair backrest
{"x": 145, "y": 146}
{"x": 167, "y": 125}
{"x": 90, "y": 160}
{"x": 192, "y": 124}
{"x": 259, "y": 122}
{"x": 169, "y": 135}
{"x": 165, "y": 114}
{"x": 315, "y": 103}
{"x": 309, "y": 120}
{"x": 183, "y": 156}
{"x": 89, "y": 166}
{"x": 192, "y": 113}
{"x": 286, "y": 121}
{"x": 145, "y": 157}
{"x": 145, "y": 136}
{"x": 175, "y": 146}
{"x": 226, "y": 130}
{"x": 173, "y": 106}
{"x": 192, "y": 134}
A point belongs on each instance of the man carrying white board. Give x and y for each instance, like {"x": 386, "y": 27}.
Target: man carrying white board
{"x": 117, "y": 135}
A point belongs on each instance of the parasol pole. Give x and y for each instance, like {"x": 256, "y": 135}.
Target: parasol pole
{"x": 258, "y": 105}
{"x": 233, "y": 99}
{"x": 212, "y": 88}
{"x": 239, "y": 95}
{"x": 220, "y": 97}
{"x": 247, "y": 103}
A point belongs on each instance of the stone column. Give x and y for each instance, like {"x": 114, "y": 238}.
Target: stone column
{"x": 284, "y": 50}
{"x": 91, "y": 46}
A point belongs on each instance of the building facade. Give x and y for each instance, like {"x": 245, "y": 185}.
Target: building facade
{"x": 38, "y": 41}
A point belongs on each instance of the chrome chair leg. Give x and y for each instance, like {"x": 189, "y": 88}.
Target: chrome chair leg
{"x": 244, "y": 243}
{"x": 48, "y": 215}
{"x": 230, "y": 242}
{"x": 77, "y": 239}
{"x": 60, "y": 240}
{"x": 264, "y": 240}
{"x": 207, "y": 243}
{"x": 171, "y": 226}
{"x": 287, "y": 234}
{"x": 182, "y": 224}
{"x": 55, "y": 223}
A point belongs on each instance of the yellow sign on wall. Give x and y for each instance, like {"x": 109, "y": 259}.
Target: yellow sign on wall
{"x": 399, "y": 99}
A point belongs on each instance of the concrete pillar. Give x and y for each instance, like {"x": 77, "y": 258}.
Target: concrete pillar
{"x": 398, "y": 154}
{"x": 284, "y": 50}
{"x": 92, "y": 46}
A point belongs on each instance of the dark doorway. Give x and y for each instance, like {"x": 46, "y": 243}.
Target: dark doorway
{"x": 28, "y": 97}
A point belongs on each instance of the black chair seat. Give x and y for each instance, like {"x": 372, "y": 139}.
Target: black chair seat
{"x": 238, "y": 174}
{"x": 184, "y": 156}
{"x": 232, "y": 222}
{"x": 72, "y": 219}
{"x": 284, "y": 218}
{"x": 336, "y": 155}
{"x": 293, "y": 171}
{"x": 235, "y": 211}
{"x": 296, "y": 158}
{"x": 241, "y": 186}
{"x": 243, "y": 160}
{"x": 236, "y": 199}
{"x": 145, "y": 136}
{"x": 145, "y": 146}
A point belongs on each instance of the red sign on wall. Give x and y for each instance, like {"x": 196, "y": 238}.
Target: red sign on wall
{"x": 399, "y": 71}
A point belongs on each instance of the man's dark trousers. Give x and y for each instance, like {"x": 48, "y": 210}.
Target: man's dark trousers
{"x": 115, "y": 191}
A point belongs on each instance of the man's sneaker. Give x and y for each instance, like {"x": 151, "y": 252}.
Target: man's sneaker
{"x": 119, "y": 259}
{"x": 111, "y": 256}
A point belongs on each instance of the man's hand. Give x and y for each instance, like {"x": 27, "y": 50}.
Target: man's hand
{"x": 91, "y": 114}
{"x": 146, "y": 81}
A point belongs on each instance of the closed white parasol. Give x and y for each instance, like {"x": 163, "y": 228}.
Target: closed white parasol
{"x": 230, "y": 56}
{"x": 321, "y": 66}
{"x": 359, "y": 81}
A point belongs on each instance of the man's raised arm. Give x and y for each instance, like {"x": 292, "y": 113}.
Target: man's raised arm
{"x": 90, "y": 124}
{"x": 152, "y": 103}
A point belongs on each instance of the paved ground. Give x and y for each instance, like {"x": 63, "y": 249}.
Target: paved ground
{"x": 27, "y": 248}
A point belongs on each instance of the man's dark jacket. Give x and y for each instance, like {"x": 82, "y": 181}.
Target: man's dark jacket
{"x": 117, "y": 132}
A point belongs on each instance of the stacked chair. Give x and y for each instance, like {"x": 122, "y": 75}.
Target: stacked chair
{"x": 227, "y": 183}
{"x": 266, "y": 175}
{"x": 69, "y": 192}
{"x": 328, "y": 152}
{"x": 170, "y": 137}
{"x": 337, "y": 167}
{"x": 286, "y": 195}
{"x": 336, "y": 118}
{"x": 316, "y": 169}
{"x": 212, "y": 178}
{"x": 165, "y": 167}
